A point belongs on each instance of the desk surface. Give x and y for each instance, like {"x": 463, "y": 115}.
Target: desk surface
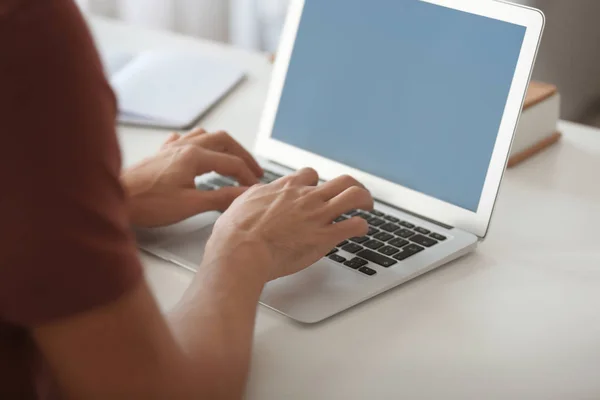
{"x": 519, "y": 319}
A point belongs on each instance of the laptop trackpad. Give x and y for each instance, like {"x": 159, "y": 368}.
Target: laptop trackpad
{"x": 181, "y": 243}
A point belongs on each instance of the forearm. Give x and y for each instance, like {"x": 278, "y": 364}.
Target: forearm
{"x": 214, "y": 323}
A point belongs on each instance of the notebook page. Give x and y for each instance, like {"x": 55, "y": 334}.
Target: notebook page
{"x": 115, "y": 61}
{"x": 173, "y": 87}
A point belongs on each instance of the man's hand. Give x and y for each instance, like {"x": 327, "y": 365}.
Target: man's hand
{"x": 286, "y": 226}
{"x": 127, "y": 348}
{"x": 161, "y": 189}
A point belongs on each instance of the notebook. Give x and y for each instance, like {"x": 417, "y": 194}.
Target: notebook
{"x": 168, "y": 89}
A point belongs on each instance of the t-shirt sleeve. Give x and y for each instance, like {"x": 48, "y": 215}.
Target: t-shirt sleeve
{"x": 65, "y": 242}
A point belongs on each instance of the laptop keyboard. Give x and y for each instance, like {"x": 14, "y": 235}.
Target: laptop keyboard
{"x": 218, "y": 182}
{"x": 389, "y": 240}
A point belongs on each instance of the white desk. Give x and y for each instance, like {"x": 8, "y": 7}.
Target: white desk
{"x": 520, "y": 319}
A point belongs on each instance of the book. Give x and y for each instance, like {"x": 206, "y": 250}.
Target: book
{"x": 537, "y": 128}
{"x": 168, "y": 89}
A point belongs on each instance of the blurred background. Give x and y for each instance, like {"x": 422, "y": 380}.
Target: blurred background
{"x": 252, "y": 24}
{"x": 569, "y": 58}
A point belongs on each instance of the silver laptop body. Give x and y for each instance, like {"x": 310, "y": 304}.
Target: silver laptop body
{"x": 334, "y": 107}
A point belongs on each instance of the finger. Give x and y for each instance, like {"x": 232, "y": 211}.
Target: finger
{"x": 234, "y": 147}
{"x": 350, "y": 199}
{"x": 330, "y": 189}
{"x": 226, "y": 165}
{"x": 353, "y": 227}
{"x": 197, "y": 202}
{"x": 173, "y": 137}
{"x": 223, "y": 142}
{"x": 195, "y": 133}
{"x": 304, "y": 177}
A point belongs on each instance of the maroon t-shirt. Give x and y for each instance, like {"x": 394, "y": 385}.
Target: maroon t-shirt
{"x": 65, "y": 243}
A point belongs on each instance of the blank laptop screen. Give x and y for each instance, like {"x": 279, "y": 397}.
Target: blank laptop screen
{"x": 402, "y": 89}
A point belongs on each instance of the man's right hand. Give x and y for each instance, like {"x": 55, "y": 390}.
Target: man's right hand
{"x": 286, "y": 226}
{"x": 126, "y": 349}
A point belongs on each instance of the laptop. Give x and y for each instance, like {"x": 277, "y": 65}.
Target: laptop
{"x": 419, "y": 100}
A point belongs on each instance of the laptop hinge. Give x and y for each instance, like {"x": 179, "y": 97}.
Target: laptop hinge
{"x": 445, "y": 226}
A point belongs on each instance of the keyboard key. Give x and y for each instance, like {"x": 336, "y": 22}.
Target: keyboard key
{"x": 377, "y": 213}
{"x": 373, "y": 244}
{"x": 388, "y": 250}
{"x": 352, "y": 248}
{"x": 377, "y": 258}
{"x": 372, "y": 231}
{"x": 390, "y": 227}
{"x": 337, "y": 258}
{"x": 342, "y": 244}
{"x": 269, "y": 177}
{"x": 340, "y": 219}
{"x": 397, "y": 242}
{"x": 352, "y": 213}
{"x": 332, "y": 252}
{"x": 361, "y": 239}
{"x": 368, "y": 271}
{"x": 383, "y": 236}
{"x": 376, "y": 222}
{"x": 423, "y": 240}
{"x": 356, "y": 263}
{"x": 422, "y": 230}
{"x": 414, "y": 247}
{"x": 405, "y": 233}
{"x": 437, "y": 236}
{"x": 221, "y": 182}
{"x": 204, "y": 187}
{"x": 364, "y": 216}
{"x": 408, "y": 251}
{"x": 407, "y": 224}
{"x": 391, "y": 219}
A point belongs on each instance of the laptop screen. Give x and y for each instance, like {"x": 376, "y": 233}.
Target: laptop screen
{"x": 404, "y": 90}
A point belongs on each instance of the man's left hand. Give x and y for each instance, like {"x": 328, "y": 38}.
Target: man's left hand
{"x": 162, "y": 191}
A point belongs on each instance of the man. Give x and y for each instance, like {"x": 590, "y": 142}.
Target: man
{"x": 77, "y": 319}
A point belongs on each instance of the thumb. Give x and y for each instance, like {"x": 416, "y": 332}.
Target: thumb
{"x": 217, "y": 200}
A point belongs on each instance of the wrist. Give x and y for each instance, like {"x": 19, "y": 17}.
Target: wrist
{"x": 131, "y": 183}
{"x": 133, "y": 188}
{"x": 247, "y": 259}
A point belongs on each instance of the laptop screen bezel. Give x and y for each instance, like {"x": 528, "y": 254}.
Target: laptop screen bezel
{"x": 393, "y": 193}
